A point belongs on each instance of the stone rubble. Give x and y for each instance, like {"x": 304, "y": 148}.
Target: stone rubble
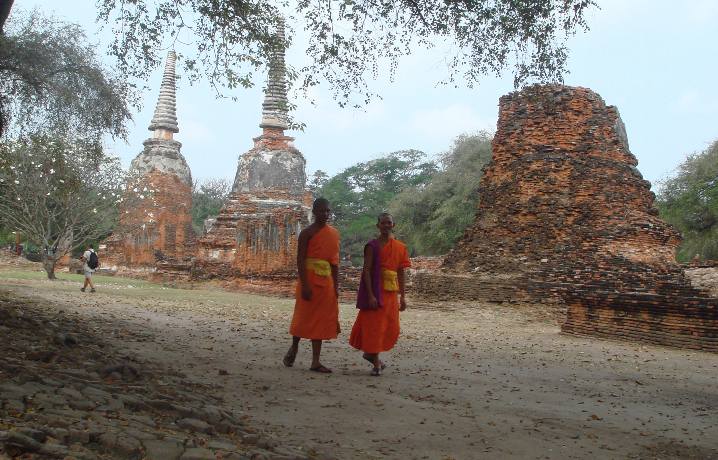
{"x": 65, "y": 393}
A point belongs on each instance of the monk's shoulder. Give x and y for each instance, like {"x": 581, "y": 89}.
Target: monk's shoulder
{"x": 306, "y": 231}
{"x": 333, "y": 230}
{"x": 400, "y": 244}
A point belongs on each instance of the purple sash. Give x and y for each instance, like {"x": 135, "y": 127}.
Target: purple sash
{"x": 363, "y": 294}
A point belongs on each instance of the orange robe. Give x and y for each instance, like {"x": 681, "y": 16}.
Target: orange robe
{"x": 318, "y": 318}
{"x": 377, "y": 330}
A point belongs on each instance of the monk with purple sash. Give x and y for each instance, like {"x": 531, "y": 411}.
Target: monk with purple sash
{"x": 381, "y": 295}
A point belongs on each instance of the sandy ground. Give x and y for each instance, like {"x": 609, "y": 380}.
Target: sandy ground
{"x": 465, "y": 380}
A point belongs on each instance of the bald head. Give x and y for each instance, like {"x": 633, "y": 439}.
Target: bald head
{"x": 321, "y": 211}
{"x": 320, "y": 202}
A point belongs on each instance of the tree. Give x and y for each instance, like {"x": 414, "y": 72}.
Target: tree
{"x": 359, "y": 193}
{"x": 318, "y": 180}
{"x": 59, "y": 193}
{"x": 207, "y": 200}
{"x": 51, "y": 79}
{"x": 349, "y": 41}
{"x": 431, "y": 218}
{"x": 689, "y": 201}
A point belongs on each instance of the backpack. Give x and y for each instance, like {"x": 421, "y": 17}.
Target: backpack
{"x": 94, "y": 262}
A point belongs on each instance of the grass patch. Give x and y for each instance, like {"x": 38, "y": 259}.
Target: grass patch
{"x": 19, "y": 274}
{"x": 130, "y": 288}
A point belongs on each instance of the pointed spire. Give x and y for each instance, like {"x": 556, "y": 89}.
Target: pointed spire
{"x": 274, "y": 107}
{"x": 165, "y": 117}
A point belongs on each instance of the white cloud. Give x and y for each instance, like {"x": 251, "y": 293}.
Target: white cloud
{"x": 444, "y": 123}
{"x": 689, "y": 100}
{"x": 329, "y": 116}
{"x": 194, "y": 131}
{"x": 692, "y": 101}
{"x": 700, "y": 11}
{"x": 611, "y": 13}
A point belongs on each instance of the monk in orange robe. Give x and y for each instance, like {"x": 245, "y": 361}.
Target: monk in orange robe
{"x": 376, "y": 328}
{"x": 316, "y": 309}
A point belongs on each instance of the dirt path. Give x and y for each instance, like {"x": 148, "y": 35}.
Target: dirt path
{"x": 465, "y": 381}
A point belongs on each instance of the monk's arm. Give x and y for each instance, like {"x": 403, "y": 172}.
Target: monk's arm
{"x": 366, "y": 271}
{"x": 302, "y": 258}
{"x": 401, "y": 274}
{"x": 335, "y": 277}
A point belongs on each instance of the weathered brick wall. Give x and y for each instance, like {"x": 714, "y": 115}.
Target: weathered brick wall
{"x": 427, "y": 262}
{"x": 254, "y": 234}
{"x": 155, "y": 228}
{"x": 677, "y": 320}
{"x": 564, "y": 213}
{"x": 561, "y": 181}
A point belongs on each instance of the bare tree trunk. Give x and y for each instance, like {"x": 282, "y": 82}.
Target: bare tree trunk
{"x": 5, "y": 7}
{"x": 48, "y": 263}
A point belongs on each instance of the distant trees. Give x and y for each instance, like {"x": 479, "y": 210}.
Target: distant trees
{"x": 431, "y": 203}
{"x": 359, "y": 193}
{"x": 60, "y": 194}
{"x": 431, "y": 218}
{"x": 689, "y": 201}
{"x": 317, "y": 181}
{"x": 207, "y": 200}
{"x": 52, "y": 80}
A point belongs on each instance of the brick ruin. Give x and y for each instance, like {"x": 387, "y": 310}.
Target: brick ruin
{"x": 255, "y": 234}
{"x": 565, "y": 216}
{"x": 157, "y": 226}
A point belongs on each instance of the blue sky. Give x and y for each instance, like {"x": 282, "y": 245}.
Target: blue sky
{"x": 653, "y": 59}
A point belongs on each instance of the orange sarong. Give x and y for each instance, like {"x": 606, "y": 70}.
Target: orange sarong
{"x": 318, "y": 318}
{"x": 376, "y": 331}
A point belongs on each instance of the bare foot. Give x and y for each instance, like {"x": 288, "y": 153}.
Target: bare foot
{"x": 289, "y": 358}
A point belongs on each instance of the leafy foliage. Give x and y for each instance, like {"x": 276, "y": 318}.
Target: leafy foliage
{"x": 361, "y": 192}
{"x": 207, "y": 200}
{"x": 51, "y": 79}
{"x": 317, "y": 181}
{"x": 349, "y": 41}
{"x": 59, "y": 194}
{"x": 431, "y": 219}
{"x": 689, "y": 201}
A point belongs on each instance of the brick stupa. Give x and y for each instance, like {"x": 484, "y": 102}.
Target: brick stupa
{"x": 565, "y": 215}
{"x": 158, "y": 228}
{"x": 255, "y": 233}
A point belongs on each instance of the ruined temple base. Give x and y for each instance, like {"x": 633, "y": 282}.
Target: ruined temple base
{"x": 440, "y": 286}
{"x": 255, "y": 235}
{"x": 683, "y": 321}
{"x": 641, "y": 317}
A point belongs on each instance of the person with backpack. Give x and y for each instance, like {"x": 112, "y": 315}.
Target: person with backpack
{"x": 91, "y": 263}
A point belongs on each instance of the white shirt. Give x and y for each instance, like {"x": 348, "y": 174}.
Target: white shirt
{"x": 86, "y": 256}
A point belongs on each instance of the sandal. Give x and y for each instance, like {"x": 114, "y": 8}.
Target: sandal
{"x": 321, "y": 369}
{"x": 376, "y": 372}
{"x": 366, "y": 356}
{"x": 289, "y": 358}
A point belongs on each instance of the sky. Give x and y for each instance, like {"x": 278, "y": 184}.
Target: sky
{"x": 653, "y": 59}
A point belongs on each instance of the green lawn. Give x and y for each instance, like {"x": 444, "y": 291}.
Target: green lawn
{"x": 135, "y": 288}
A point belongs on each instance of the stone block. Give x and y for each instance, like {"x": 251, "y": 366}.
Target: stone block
{"x": 198, "y": 453}
{"x": 163, "y": 449}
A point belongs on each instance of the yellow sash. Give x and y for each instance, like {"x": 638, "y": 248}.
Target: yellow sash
{"x": 390, "y": 280}
{"x": 320, "y": 267}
